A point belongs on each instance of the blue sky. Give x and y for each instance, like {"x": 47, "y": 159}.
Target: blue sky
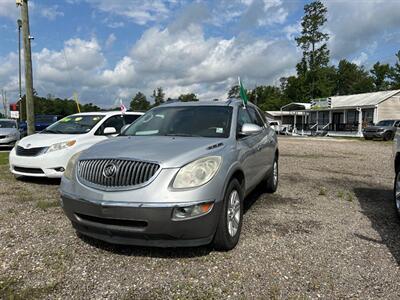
{"x": 110, "y": 49}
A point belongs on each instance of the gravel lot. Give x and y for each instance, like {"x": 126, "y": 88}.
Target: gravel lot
{"x": 330, "y": 231}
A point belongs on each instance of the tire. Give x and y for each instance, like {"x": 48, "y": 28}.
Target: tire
{"x": 388, "y": 136}
{"x": 396, "y": 193}
{"x": 226, "y": 237}
{"x": 271, "y": 181}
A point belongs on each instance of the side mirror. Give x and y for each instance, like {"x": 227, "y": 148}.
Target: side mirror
{"x": 109, "y": 131}
{"x": 250, "y": 129}
{"x": 125, "y": 127}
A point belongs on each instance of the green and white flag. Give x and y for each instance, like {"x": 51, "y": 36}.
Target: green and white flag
{"x": 243, "y": 93}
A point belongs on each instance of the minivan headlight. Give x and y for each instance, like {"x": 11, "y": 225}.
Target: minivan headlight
{"x": 69, "y": 170}
{"x": 197, "y": 172}
{"x": 60, "y": 146}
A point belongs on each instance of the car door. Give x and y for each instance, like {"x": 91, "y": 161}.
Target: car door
{"x": 265, "y": 147}
{"x": 247, "y": 147}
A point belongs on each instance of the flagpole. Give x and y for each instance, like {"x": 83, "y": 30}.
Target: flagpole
{"x": 240, "y": 89}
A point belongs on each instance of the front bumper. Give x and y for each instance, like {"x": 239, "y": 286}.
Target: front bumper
{"x": 373, "y": 134}
{"x": 141, "y": 224}
{"x": 8, "y": 141}
{"x": 43, "y": 165}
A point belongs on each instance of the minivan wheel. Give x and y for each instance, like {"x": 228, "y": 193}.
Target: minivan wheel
{"x": 396, "y": 191}
{"x": 272, "y": 179}
{"x": 230, "y": 222}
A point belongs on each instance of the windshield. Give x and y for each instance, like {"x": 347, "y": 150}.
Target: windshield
{"x": 385, "y": 123}
{"x": 7, "y": 124}
{"x": 74, "y": 124}
{"x": 203, "y": 121}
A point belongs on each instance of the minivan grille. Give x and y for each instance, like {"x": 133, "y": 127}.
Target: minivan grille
{"x": 21, "y": 151}
{"x": 115, "y": 173}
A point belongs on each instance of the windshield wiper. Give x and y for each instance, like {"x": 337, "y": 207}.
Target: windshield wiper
{"x": 182, "y": 134}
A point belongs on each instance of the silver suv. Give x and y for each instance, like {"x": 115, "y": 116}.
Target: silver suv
{"x": 177, "y": 176}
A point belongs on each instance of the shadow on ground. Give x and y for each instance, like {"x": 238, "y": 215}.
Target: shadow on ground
{"x": 40, "y": 180}
{"x": 378, "y": 205}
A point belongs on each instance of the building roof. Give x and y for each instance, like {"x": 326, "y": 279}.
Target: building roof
{"x": 296, "y": 106}
{"x": 278, "y": 113}
{"x": 365, "y": 99}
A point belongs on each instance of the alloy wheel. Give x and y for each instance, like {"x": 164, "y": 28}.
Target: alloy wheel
{"x": 233, "y": 213}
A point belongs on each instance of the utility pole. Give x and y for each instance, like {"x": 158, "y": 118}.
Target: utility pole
{"x": 19, "y": 23}
{"x": 30, "y": 113}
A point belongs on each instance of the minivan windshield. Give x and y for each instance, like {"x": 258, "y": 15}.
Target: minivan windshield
{"x": 76, "y": 124}
{"x": 7, "y": 124}
{"x": 188, "y": 121}
{"x": 385, "y": 123}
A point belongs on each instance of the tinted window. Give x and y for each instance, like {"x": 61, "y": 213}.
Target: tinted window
{"x": 75, "y": 124}
{"x": 7, "y": 124}
{"x": 243, "y": 117}
{"x": 385, "y": 123}
{"x": 255, "y": 117}
{"x": 204, "y": 121}
{"x": 116, "y": 122}
{"x": 129, "y": 119}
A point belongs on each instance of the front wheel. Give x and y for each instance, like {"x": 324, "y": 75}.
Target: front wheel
{"x": 396, "y": 192}
{"x": 230, "y": 222}
{"x": 388, "y": 136}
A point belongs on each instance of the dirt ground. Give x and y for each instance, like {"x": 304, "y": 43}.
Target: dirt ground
{"x": 330, "y": 231}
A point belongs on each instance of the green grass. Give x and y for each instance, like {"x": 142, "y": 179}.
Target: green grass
{"x": 3, "y": 158}
{"x": 44, "y": 205}
{"x": 11, "y": 288}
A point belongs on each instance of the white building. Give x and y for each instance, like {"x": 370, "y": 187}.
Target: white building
{"x": 340, "y": 115}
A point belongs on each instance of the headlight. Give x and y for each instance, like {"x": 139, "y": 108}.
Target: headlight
{"x": 197, "y": 173}
{"x": 69, "y": 171}
{"x": 60, "y": 146}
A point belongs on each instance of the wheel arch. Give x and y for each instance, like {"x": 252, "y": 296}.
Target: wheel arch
{"x": 397, "y": 162}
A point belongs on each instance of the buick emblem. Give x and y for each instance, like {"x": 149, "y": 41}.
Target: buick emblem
{"x": 110, "y": 170}
{"x": 27, "y": 146}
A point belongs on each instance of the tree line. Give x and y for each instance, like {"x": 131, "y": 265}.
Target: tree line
{"x": 315, "y": 77}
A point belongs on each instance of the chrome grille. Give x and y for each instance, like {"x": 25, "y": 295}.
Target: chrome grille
{"x": 30, "y": 151}
{"x": 126, "y": 174}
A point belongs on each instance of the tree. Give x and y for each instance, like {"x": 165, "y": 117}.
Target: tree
{"x": 380, "y": 75}
{"x": 188, "y": 97}
{"x": 352, "y": 79}
{"x": 268, "y": 97}
{"x": 395, "y": 72}
{"x": 234, "y": 92}
{"x": 312, "y": 42}
{"x": 139, "y": 103}
{"x": 158, "y": 96}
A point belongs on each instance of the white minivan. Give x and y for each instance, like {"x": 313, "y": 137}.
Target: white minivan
{"x": 47, "y": 153}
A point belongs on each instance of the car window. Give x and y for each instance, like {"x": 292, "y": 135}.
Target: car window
{"x": 7, "y": 124}
{"x": 129, "y": 119}
{"x": 262, "y": 115}
{"x": 255, "y": 117}
{"x": 75, "y": 124}
{"x": 243, "y": 117}
{"x": 186, "y": 121}
{"x": 116, "y": 122}
{"x": 397, "y": 124}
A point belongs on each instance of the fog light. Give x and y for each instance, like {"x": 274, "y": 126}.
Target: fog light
{"x": 60, "y": 169}
{"x": 192, "y": 211}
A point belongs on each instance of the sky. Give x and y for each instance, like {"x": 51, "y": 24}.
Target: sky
{"x": 106, "y": 50}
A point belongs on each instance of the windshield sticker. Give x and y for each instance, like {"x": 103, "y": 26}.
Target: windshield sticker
{"x": 96, "y": 118}
{"x": 219, "y": 130}
{"x": 66, "y": 120}
{"x": 78, "y": 119}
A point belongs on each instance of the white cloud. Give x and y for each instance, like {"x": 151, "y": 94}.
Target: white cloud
{"x": 8, "y": 9}
{"x": 361, "y": 59}
{"x": 110, "y": 40}
{"x": 51, "y": 12}
{"x": 140, "y": 12}
{"x": 354, "y": 25}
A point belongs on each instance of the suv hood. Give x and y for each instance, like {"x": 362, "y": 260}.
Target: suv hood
{"x": 376, "y": 128}
{"x": 7, "y": 131}
{"x": 47, "y": 139}
{"x": 169, "y": 152}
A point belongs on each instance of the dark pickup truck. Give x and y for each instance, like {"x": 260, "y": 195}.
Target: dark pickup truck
{"x": 385, "y": 130}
